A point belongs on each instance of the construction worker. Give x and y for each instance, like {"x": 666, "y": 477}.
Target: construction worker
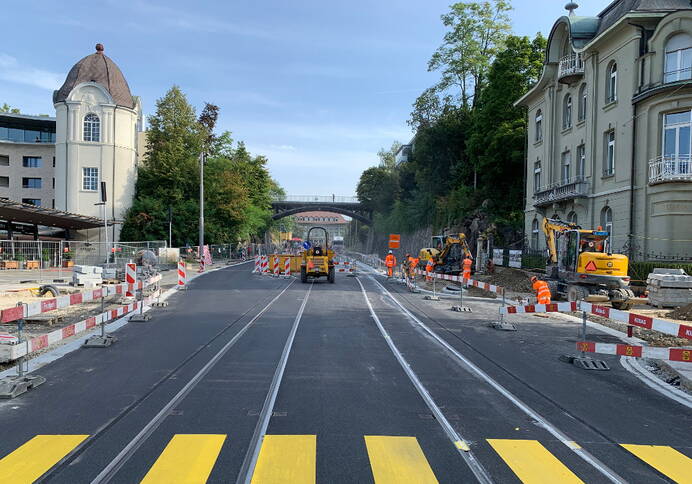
{"x": 405, "y": 266}
{"x": 429, "y": 268}
{"x": 412, "y": 266}
{"x": 542, "y": 290}
{"x": 468, "y": 262}
{"x": 390, "y": 262}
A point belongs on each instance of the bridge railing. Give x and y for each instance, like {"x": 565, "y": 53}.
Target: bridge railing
{"x": 315, "y": 199}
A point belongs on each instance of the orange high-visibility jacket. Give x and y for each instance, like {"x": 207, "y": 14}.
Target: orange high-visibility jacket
{"x": 542, "y": 292}
{"x": 390, "y": 260}
{"x": 430, "y": 266}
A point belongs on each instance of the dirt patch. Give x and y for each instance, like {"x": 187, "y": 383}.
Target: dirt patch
{"x": 511, "y": 279}
{"x": 683, "y": 313}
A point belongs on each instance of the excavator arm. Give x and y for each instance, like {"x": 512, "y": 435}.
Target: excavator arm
{"x": 550, "y": 228}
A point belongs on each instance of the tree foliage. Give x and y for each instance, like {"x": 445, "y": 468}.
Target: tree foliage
{"x": 238, "y": 187}
{"x": 6, "y": 108}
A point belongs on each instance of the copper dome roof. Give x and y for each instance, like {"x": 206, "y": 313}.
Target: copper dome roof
{"x": 99, "y": 68}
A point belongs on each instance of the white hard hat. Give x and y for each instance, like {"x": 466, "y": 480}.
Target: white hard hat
{"x": 390, "y": 251}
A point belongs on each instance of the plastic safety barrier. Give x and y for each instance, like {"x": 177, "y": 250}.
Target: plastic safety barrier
{"x": 669, "y": 354}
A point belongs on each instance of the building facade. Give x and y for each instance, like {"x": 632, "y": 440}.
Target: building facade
{"x": 98, "y": 126}
{"x": 334, "y": 223}
{"x": 610, "y": 128}
{"x": 27, "y": 157}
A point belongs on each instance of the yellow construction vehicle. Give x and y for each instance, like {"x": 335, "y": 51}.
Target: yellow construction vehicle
{"x": 447, "y": 253}
{"x": 318, "y": 258}
{"x": 581, "y": 266}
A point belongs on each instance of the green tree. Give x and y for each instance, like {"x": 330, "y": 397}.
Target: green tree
{"x": 6, "y": 108}
{"x": 476, "y": 32}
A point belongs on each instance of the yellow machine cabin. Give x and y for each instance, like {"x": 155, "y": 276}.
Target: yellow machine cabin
{"x": 580, "y": 264}
{"x": 318, "y": 258}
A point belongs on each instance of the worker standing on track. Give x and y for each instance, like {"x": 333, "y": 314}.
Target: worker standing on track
{"x": 413, "y": 264}
{"x": 542, "y": 290}
{"x": 468, "y": 262}
{"x": 390, "y": 262}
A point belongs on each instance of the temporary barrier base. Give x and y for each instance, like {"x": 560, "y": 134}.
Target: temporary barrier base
{"x": 503, "y": 326}
{"x": 431, "y": 298}
{"x": 140, "y": 318}
{"x": 98, "y": 341}
{"x": 461, "y": 309}
{"x": 585, "y": 362}
{"x": 160, "y": 304}
{"x": 14, "y": 386}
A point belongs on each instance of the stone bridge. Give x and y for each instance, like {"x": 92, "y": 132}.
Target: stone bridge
{"x": 294, "y": 204}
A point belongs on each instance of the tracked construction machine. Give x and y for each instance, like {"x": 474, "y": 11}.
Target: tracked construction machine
{"x": 581, "y": 266}
{"x": 447, "y": 253}
{"x": 318, "y": 259}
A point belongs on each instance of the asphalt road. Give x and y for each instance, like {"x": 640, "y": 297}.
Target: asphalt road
{"x": 244, "y": 378}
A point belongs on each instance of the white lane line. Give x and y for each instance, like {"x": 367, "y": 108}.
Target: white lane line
{"x": 567, "y": 441}
{"x": 112, "y": 468}
{"x": 250, "y": 461}
{"x": 458, "y": 441}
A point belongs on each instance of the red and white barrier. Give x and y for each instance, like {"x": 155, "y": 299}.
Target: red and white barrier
{"x": 130, "y": 277}
{"x": 32, "y": 309}
{"x": 276, "y": 266}
{"x": 466, "y": 282}
{"x": 182, "y": 274}
{"x": 669, "y": 354}
{"x": 646, "y": 322}
{"x": 11, "y": 351}
{"x": 258, "y": 265}
{"x": 265, "y": 264}
{"x": 287, "y": 267}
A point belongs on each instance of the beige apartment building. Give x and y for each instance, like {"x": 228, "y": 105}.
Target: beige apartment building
{"x": 610, "y": 128}
{"x": 27, "y": 159}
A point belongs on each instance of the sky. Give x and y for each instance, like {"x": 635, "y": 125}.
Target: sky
{"x": 317, "y": 87}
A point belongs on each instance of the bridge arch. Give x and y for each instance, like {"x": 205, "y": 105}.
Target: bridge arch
{"x": 313, "y": 207}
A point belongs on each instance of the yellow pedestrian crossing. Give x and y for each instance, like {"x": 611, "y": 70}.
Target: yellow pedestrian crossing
{"x": 187, "y": 459}
{"x": 286, "y": 459}
{"x": 35, "y": 457}
{"x": 666, "y": 460}
{"x": 398, "y": 460}
{"x": 532, "y": 463}
{"x": 190, "y": 458}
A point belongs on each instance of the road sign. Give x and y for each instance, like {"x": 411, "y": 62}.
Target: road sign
{"x": 394, "y": 241}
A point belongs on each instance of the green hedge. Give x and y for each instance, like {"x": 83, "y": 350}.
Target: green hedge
{"x": 641, "y": 270}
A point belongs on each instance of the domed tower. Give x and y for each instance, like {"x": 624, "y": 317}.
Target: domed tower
{"x": 97, "y": 125}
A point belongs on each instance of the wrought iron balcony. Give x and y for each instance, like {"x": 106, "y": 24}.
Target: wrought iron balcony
{"x": 670, "y": 168}
{"x": 571, "y": 68}
{"x": 575, "y": 187}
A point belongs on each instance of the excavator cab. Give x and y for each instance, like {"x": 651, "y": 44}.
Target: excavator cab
{"x": 447, "y": 252}
{"x": 318, "y": 260}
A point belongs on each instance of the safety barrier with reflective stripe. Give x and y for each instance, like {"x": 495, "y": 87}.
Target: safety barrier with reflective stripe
{"x": 662, "y": 326}
{"x": 669, "y": 354}
{"x": 466, "y": 282}
{"x": 46, "y": 305}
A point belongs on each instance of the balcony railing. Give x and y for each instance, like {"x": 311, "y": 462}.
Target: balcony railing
{"x": 575, "y": 187}
{"x": 670, "y": 168}
{"x": 315, "y": 199}
{"x": 571, "y": 67}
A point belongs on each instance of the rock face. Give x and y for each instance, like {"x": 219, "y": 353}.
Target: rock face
{"x": 669, "y": 288}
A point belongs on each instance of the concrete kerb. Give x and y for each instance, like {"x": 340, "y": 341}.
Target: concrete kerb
{"x": 75, "y": 342}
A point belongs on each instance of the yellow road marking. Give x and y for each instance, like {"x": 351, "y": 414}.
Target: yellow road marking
{"x": 187, "y": 459}
{"x": 664, "y": 459}
{"x": 531, "y": 462}
{"x": 286, "y": 459}
{"x": 398, "y": 460}
{"x": 35, "y": 457}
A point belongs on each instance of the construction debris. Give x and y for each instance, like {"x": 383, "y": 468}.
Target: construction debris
{"x": 683, "y": 313}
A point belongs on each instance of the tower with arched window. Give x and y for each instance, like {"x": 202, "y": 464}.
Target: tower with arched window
{"x": 98, "y": 121}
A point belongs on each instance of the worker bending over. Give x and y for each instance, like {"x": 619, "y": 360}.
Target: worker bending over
{"x": 542, "y": 290}
{"x": 412, "y": 266}
{"x": 468, "y": 262}
{"x": 390, "y": 262}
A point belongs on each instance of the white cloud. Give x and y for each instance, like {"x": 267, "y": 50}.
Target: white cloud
{"x": 12, "y": 71}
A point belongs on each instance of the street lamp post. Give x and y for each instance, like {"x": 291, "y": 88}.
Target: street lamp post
{"x": 202, "y": 161}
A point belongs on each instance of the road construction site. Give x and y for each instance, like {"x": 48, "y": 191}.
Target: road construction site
{"x": 245, "y": 377}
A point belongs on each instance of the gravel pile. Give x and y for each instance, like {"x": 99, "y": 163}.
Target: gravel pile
{"x": 683, "y": 313}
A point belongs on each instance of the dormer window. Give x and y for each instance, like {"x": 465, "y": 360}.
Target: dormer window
{"x": 678, "y": 63}
{"x": 92, "y": 128}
